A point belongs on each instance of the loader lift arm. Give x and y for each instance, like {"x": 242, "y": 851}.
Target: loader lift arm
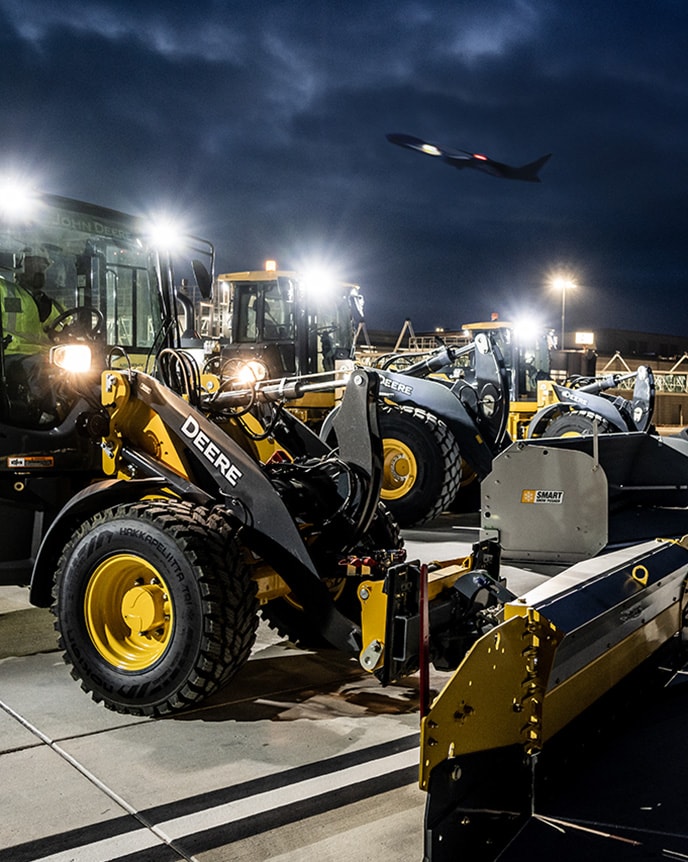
{"x": 158, "y": 443}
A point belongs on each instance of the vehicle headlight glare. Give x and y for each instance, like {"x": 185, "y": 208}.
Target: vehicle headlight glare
{"x": 75, "y": 358}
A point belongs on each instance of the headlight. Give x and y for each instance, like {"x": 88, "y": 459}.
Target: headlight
{"x": 75, "y": 358}
{"x": 251, "y": 372}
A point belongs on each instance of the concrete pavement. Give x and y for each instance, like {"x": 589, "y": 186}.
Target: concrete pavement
{"x": 302, "y": 758}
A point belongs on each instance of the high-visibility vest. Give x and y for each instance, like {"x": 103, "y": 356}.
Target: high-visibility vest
{"x": 21, "y": 320}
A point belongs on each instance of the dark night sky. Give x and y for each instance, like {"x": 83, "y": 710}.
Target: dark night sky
{"x": 263, "y": 125}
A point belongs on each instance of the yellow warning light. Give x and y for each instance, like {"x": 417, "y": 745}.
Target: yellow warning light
{"x": 270, "y": 266}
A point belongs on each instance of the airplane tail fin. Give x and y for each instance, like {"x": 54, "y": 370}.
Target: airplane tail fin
{"x": 530, "y": 171}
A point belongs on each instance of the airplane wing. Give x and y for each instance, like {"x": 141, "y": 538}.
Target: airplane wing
{"x": 465, "y": 159}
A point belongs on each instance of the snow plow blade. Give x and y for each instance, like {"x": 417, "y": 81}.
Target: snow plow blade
{"x": 560, "y": 648}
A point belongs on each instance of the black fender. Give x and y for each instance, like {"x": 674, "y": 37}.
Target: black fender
{"x": 435, "y": 398}
{"x": 642, "y": 404}
{"x": 87, "y": 502}
{"x": 542, "y": 418}
{"x": 545, "y": 415}
{"x": 598, "y": 404}
{"x": 592, "y": 403}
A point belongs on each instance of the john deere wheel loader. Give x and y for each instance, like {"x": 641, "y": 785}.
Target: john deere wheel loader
{"x": 282, "y": 325}
{"x": 472, "y": 425}
{"x": 442, "y": 417}
{"x": 586, "y": 404}
{"x": 155, "y": 513}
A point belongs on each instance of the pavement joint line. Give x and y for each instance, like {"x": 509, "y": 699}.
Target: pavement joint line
{"x": 73, "y": 736}
{"x": 225, "y": 814}
{"x": 92, "y": 778}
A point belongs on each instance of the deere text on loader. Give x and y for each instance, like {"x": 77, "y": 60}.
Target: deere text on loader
{"x": 155, "y": 510}
{"x": 283, "y": 325}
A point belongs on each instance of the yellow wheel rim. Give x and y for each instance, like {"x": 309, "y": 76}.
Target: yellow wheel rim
{"x": 400, "y": 469}
{"x": 128, "y": 612}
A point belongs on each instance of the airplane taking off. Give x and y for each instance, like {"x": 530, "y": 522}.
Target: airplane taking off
{"x": 465, "y": 159}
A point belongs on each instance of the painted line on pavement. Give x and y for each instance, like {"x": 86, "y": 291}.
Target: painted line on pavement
{"x": 199, "y": 823}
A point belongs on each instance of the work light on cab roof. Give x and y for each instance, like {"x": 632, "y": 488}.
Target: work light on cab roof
{"x": 18, "y": 200}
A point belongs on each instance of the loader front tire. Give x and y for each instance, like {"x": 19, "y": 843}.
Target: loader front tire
{"x": 422, "y": 464}
{"x": 576, "y": 423}
{"x": 154, "y": 608}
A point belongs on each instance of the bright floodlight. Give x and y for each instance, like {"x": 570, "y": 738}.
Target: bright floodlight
{"x": 527, "y": 329}
{"x": 166, "y": 233}
{"x": 17, "y": 201}
{"x": 562, "y": 282}
{"x": 318, "y": 280}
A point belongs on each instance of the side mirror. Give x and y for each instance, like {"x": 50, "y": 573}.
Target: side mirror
{"x": 203, "y": 280}
{"x": 356, "y": 303}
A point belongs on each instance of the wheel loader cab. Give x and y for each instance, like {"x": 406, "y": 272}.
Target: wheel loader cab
{"x": 292, "y": 324}
{"x": 526, "y": 353}
{"x": 263, "y": 323}
{"x": 76, "y": 280}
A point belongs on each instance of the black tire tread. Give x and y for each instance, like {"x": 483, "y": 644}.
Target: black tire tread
{"x": 450, "y": 454}
{"x": 571, "y": 415}
{"x": 228, "y": 595}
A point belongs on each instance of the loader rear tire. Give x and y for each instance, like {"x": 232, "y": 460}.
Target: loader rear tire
{"x": 576, "y": 423}
{"x": 285, "y": 614}
{"x": 422, "y": 464}
{"x": 154, "y": 608}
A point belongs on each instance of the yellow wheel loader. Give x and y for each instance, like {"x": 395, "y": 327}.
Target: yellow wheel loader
{"x": 284, "y": 325}
{"x": 154, "y": 509}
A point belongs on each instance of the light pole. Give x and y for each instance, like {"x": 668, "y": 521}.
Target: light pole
{"x": 563, "y": 283}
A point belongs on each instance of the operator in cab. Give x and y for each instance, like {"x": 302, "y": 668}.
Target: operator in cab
{"x": 27, "y": 313}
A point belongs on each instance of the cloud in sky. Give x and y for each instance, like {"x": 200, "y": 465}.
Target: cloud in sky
{"x": 265, "y": 123}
